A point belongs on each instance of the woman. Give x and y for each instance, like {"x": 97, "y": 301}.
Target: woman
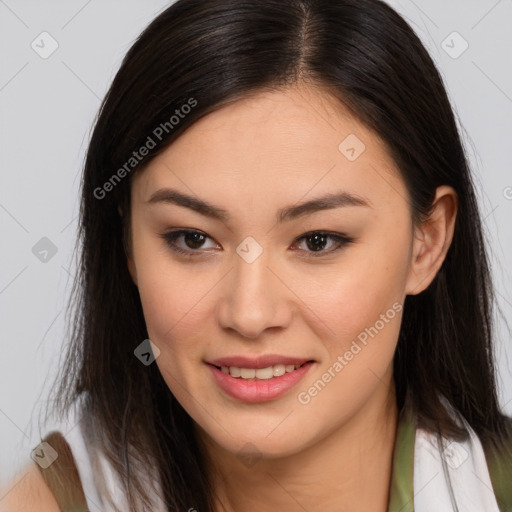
{"x": 276, "y": 195}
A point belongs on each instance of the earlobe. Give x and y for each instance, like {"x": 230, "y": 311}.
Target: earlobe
{"x": 432, "y": 240}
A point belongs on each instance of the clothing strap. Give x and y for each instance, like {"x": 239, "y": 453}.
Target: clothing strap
{"x": 499, "y": 461}
{"x": 62, "y": 477}
{"x": 401, "y": 492}
{"x": 498, "y": 464}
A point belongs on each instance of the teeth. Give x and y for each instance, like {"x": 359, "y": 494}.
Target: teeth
{"x": 247, "y": 373}
{"x": 260, "y": 373}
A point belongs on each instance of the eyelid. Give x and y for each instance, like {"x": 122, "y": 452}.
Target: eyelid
{"x": 341, "y": 241}
{"x": 170, "y": 237}
{"x": 340, "y": 238}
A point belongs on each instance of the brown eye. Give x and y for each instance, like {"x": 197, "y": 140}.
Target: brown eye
{"x": 317, "y": 241}
{"x": 192, "y": 240}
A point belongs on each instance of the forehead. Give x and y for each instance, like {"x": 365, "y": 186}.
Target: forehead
{"x": 275, "y": 146}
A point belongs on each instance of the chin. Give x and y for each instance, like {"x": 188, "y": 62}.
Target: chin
{"x": 260, "y": 442}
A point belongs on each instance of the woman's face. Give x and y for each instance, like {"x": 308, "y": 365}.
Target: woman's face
{"x": 258, "y": 285}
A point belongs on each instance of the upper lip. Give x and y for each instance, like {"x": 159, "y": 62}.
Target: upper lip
{"x": 263, "y": 361}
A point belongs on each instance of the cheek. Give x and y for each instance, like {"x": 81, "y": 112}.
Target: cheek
{"x": 174, "y": 315}
{"x": 364, "y": 285}
{"x": 361, "y": 303}
{"x": 364, "y": 317}
{"x": 173, "y": 307}
{"x": 163, "y": 292}
{"x": 177, "y": 305}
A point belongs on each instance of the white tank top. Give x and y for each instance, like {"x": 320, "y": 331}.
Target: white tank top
{"x": 97, "y": 486}
{"x": 470, "y": 477}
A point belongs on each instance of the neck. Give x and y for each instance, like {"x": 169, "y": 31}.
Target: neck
{"x": 349, "y": 469}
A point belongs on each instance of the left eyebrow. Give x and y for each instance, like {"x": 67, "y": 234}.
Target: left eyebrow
{"x": 326, "y": 202}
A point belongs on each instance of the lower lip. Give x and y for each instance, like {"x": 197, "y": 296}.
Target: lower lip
{"x": 258, "y": 390}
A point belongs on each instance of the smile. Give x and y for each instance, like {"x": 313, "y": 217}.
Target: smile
{"x": 254, "y": 385}
{"x": 259, "y": 373}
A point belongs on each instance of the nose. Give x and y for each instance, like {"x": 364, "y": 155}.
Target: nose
{"x": 254, "y": 298}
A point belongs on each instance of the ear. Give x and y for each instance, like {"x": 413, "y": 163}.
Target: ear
{"x": 432, "y": 240}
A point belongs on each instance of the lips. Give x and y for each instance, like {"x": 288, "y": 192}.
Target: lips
{"x": 258, "y": 388}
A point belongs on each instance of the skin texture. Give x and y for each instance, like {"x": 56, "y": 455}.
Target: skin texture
{"x": 251, "y": 158}
{"x": 27, "y": 492}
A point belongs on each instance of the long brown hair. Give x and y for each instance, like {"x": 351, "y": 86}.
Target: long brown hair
{"x": 214, "y": 52}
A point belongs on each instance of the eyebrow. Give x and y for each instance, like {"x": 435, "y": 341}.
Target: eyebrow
{"x": 326, "y": 202}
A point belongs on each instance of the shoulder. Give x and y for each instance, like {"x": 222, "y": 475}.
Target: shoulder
{"x": 51, "y": 482}
{"x": 28, "y": 491}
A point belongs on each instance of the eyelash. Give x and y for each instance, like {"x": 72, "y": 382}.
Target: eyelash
{"x": 342, "y": 241}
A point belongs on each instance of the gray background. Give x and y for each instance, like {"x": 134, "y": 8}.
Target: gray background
{"x": 47, "y": 108}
